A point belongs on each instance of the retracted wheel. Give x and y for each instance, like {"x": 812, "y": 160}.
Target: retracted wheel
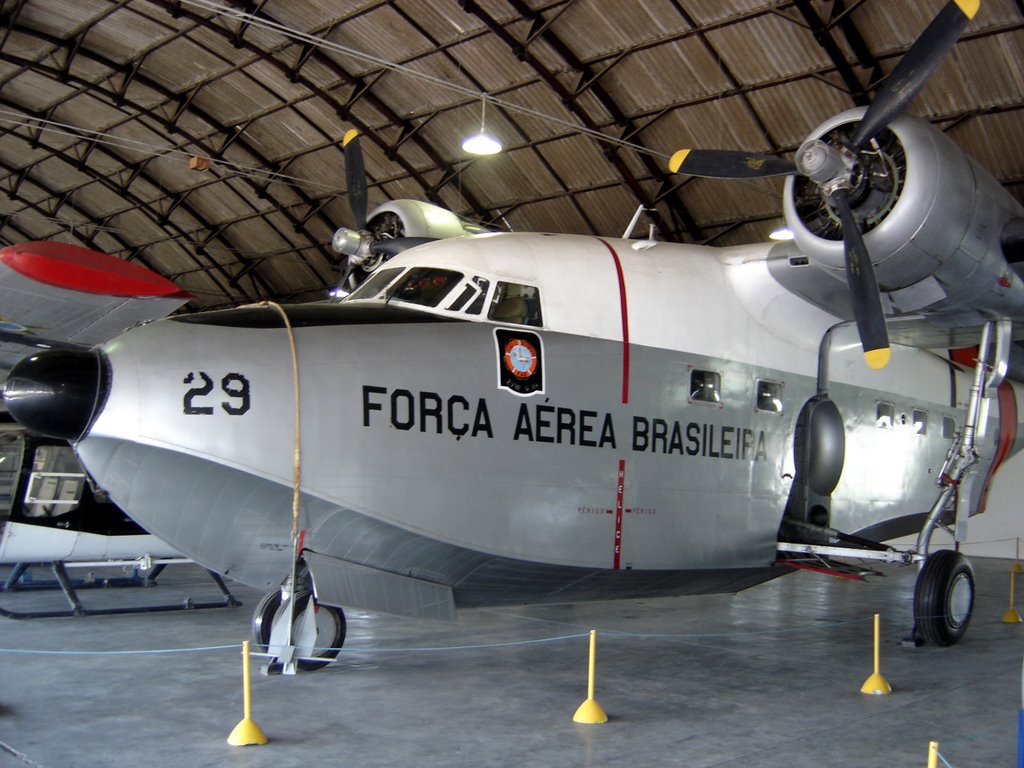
{"x": 317, "y": 630}
{"x": 944, "y": 597}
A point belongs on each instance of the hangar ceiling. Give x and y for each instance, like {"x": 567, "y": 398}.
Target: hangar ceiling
{"x": 104, "y": 103}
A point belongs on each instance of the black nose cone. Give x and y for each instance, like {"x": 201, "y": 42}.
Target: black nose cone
{"x": 57, "y": 393}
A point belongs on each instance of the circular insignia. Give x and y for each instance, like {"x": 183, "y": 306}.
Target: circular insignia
{"x": 520, "y": 358}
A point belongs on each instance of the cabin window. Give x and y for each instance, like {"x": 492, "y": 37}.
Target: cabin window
{"x": 920, "y": 421}
{"x": 56, "y": 483}
{"x": 375, "y": 284}
{"x": 769, "y": 396}
{"x": 948, "y": 428}
{"x": 426, "y": 286}
{"x": 515, "y": 303}
{"x": 885, "y": 415}
{"x": 705, "y": 386}
{"x": 474, "y": 293}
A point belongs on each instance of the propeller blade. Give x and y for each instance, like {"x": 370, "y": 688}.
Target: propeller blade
{"x": 355, "y": 177}
{"x": 728, "y": 164}
{"x": 860, "y": 277}
{"x": 343, "y": 283}
{"x": 914, "y": 69}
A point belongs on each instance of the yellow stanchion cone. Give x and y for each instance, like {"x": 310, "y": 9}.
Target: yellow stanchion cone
{"x": 933, "y": 754}
{"x": 246, "y": 732}
{"x": 590, "y": 711}
{"x": 1011, "y": 616}
{"x": 876, "y": 684}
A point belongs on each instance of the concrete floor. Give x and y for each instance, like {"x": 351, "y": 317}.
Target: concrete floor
{"x": 769, "y": 677}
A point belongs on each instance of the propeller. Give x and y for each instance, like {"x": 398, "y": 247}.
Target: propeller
{"x": 368, "y": 244}
{"x": 835, "y": 169}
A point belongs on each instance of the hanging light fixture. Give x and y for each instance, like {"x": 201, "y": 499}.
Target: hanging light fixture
{"x": 481, "y": 143}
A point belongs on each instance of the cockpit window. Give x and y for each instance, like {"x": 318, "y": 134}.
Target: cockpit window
{"x": 375, "y": 284}
{"x": 425, "y": 286}
{"x": 56, "y": 483}
{"x": 473, "y": 294}
{"x": 515, "y": 303}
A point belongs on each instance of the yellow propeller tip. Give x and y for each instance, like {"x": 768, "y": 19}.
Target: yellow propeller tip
{"x": 349, "y": 135}
{"x": 677, "y": 160}
{"x": 877, "y": 358}
{"x": 969, "y": 7}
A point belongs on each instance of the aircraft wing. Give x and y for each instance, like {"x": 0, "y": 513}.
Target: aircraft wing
{"x": 56, "y": 294}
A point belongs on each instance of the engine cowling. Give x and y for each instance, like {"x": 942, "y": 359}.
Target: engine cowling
{"x": 932, "y": 219}
{"x": 415, "y": 218}
{"x": 395, "y": 226}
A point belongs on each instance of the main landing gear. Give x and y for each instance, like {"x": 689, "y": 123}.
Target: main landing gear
{"x": 944, "y": 591}
{"x": 944, "y": 594}
{"x": 295, "y": 631}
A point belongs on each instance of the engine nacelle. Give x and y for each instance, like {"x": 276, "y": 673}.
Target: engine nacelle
{"x": 393, "y": 227}
{"x": 415, "y": 218}
{"x": 932, "y": 220}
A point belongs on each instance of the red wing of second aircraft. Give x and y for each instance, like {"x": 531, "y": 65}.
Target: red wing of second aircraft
{"x": 55, "y": 294}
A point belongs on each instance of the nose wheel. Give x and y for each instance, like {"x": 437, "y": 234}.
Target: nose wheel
{"x": 317, "y": 632}
{"x": 944, "y": 597}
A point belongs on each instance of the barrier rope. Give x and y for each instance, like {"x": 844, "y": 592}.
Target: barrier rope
{"x": 39, "y": 652}
{"x": 609, "y": 633}
{"x": 297, "y": 458}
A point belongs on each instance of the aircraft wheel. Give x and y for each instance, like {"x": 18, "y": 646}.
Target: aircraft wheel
{"x": 944, "y": 597}
{"x": 330, "y": 626}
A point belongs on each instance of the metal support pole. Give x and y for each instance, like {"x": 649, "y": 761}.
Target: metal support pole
{"x": 66, "y": 588}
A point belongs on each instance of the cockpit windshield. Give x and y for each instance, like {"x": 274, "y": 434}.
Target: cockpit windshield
{"x": 453, "y": 292}
{"x": 425, "y": 286}
{"x": 374, "y": 285}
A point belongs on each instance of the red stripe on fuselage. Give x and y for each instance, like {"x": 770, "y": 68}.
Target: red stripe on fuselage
{"x": 620, "y": 486}
{"x": 1007, "y": 436}
{"x": 620, "y": 492}
{"x": 74, "y": 268}
{"x": 625, "y": 321}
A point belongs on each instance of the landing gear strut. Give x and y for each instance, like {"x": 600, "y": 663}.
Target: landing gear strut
{"x": 304, "y": 636}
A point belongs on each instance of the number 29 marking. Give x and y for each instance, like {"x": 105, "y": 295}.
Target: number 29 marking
{"x": 234, "y": 385}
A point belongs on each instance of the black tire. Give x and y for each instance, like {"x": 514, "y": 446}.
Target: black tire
{"x": 944, "y": 597}
{"x": 330, "y": 624}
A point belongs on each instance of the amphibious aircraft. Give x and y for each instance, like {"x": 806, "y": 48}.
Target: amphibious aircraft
{"x": 494, "y": 417}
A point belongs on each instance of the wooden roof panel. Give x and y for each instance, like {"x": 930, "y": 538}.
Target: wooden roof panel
{"x": 155, "y": 83}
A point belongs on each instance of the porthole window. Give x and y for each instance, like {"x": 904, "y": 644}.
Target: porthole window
{"x": 885, "y": 415}
{"x": 769, "y": 396}
{"x": 920, "y": 422}
{"x": 705, "y": 386}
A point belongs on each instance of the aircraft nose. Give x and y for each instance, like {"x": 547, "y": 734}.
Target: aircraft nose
{"x": 56, "y": 393}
